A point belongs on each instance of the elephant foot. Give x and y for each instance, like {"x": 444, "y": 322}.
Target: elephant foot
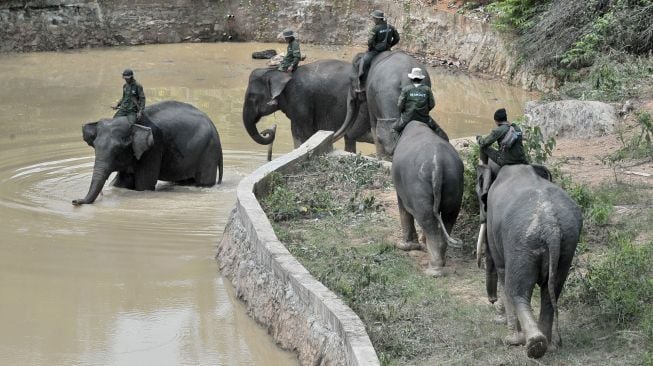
{"x": 536, "y": 346}
{"x": 435, "y": 271}
{"x": 515, "y": 339}
{"x": 408, "y": 245}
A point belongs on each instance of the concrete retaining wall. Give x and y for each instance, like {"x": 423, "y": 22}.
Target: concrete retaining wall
{"x": 300, "y": 313}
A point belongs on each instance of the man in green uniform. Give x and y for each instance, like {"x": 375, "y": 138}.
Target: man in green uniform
{"x": 415, "y": 103}
{"x": 293, "y": 55}
{"x": 132, "y": 102}
{"x": 509, "y": 138}
{"x": 381, "y": 38}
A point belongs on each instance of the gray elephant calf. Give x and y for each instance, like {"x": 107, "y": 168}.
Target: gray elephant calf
{"x": 533, "y": 227}
{"x": 174, "y": 142}
{"x": 428, "y": 176}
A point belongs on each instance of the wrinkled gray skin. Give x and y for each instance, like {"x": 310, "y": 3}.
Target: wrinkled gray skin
{"x": 388, "y": 74}
{"x": 314, "y": 99}
{"x": 533, "y": 227}
{"x": 428, "y": 175}
{"x": 174, "y": 142}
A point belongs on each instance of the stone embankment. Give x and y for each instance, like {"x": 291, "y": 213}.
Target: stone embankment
{"x": 300, "y": 312}
{"x": 467, "y": 42}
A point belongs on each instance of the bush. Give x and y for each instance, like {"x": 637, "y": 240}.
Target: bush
{"x": 621, "y": 283}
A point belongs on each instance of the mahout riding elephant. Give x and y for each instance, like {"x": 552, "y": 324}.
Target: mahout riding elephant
{"x": 173, "y": 142}
{"x": 533, "y": 227}
{"x": 314, "y": 98}
{"x": 428, "y": 175}
{"x": 386, "y": 77}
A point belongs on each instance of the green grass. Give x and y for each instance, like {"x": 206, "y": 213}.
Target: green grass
{"x": 413, "y": 319}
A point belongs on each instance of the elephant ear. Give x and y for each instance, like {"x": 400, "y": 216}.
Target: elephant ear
{"x": 142, "y": 139}
{"x": 277, "y": 82}
{"x": 543, "y": 172}
{"x": 89, "y": 133}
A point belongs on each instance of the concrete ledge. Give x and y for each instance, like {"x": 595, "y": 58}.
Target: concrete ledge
{"x": 300, "y": 313}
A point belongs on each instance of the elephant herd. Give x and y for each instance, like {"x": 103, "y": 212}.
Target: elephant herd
{"x": 532, "y": 226}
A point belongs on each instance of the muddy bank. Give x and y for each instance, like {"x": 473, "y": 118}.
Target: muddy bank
{"x": 469, "y": 43}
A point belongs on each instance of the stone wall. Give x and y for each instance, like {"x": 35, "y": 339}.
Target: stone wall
{"x": 63, "y": 24}
{"x": 300, "y": 313}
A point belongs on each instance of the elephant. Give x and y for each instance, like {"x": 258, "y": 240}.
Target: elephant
{"x": 314, "y": 98}
{"x": 532, "y": 230}
{"x": 173, "y": 142}
{"x": 428, "y": 176}
{"x": 387, "y": 75}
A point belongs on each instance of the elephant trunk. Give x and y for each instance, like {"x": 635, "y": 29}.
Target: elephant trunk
{"x": 353, "y": 106}
{"x": 250, "y": 118}
{"x": 101, "y": 173}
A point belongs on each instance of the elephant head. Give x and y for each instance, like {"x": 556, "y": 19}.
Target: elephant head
{"x": 264, "y": 86}
{"x": 117, "y": 143}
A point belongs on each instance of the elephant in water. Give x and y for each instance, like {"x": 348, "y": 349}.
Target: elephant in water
{"x": 173, "y": 142}
{"x": 428, "y": 175}
{"x": 533, "y": 227}
{"x": 387, "y": 75}
{"x": 314, "y": 98}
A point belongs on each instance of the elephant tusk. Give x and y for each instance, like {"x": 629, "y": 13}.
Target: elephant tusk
{"x": 479, "y": 244}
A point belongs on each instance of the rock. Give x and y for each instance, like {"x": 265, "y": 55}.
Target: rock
{"x": 264, "y": 54}
{"x": 571, "y": 118}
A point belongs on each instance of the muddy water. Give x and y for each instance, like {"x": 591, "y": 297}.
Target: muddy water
{"x": 131, "y": 279}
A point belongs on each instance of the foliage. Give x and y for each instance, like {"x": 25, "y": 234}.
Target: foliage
{"x": 517, "y": 14}
{"x": 584, "y": 50}
{"x": 621, "y": 283}
{"x": 536, "y": 147}
{"x": 640, "y": 145}
{"x": 287, "y": 199}
{"x": 470, "y": 200}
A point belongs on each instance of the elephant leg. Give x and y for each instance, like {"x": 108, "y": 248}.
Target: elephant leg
{"x": 435, "y": 244}
{"x": 408, "y": 227}
{"x": 350, "y": 145}
{"x": 516, "y": 337}
{"x": 146, "y": 173}
{"x": 545, "y": 322}
{"x": 124, "y": 180}
{"x": 519, "y": 288}
{"x": 207, "y": 169}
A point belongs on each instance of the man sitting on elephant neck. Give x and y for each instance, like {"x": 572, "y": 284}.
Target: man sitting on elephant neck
{"x": 290, "y": 60}
{"x": 293, "y": 55}
{"x": 381, "y": 38}
{"x": 132, "y": 102}
{"x": 415, "y": 103}
{"x": 508, "y": 136}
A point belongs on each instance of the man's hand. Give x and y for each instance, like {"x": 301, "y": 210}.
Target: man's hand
{"x": 114, "y": 107}
{"x": 139, "y": 115}
{"x": 290, "y": 69}
{"x": 478, "y": 138}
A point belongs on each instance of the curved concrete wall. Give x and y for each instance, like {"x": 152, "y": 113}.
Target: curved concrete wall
{"x": 300, "y": 313}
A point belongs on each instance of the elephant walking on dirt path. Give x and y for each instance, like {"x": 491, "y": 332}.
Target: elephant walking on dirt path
{"x": 428, "y": 175}
{"x": 533, "y": 227}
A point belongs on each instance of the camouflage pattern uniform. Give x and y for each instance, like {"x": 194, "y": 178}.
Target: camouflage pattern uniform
{"x": 293, "y": 55}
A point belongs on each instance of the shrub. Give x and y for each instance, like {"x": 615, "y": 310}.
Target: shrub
{"x": 621, "y": 283}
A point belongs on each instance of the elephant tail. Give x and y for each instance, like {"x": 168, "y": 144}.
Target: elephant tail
{"x": 220, "y": 165}
{"x": 553, "y": 242}
{"x": 436, "y": 180}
